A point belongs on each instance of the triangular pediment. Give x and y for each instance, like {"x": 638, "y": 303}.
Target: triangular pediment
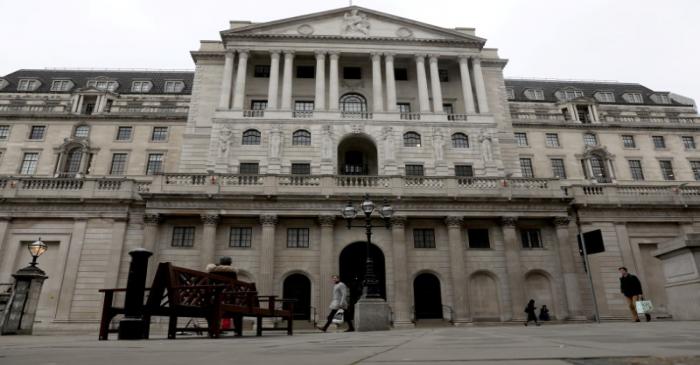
{"x": 353, "y": 22}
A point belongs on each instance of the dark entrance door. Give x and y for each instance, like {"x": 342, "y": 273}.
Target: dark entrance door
{"x": 427, "y": 297}
{"x": 352, "y": 268}
{"x": 298, "y": 286}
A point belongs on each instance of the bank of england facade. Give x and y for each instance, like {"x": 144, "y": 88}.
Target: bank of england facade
{"x": 254, "y": 154}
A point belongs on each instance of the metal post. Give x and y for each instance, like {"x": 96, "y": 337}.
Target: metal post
{"x": 587, "y": 263}
{"x": 370, "y": 284}
{"x": 132, "y": 327}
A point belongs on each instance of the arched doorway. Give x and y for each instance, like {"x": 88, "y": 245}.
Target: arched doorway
{"x": 427, "y": 297}
{"x": 357, "y": 155}
{"x": 352, "y": 268}
{"x": 298, "y": 286}
{"x": 483, "y": 297}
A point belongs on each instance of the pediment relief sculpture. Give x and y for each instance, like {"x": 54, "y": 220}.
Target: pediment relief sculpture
{"x": 355, "y": 22}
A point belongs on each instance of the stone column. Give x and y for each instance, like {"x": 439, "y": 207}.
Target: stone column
{"x": 480, "y": 86}
{"x": 402, "y": 304}
{"x": 333, "y": 82}
{"x": 435, "y": 84}
{"x": 273, "y": 84}
{"x": 4, "y": 224}
{"x": 239, "y": 92}
{"x": 570, "y": 295}
{"x": 320, "y": 100}
{"x": 70, "y": 273}
{"x": 377, "y": 97}
{"x": 390, "y": 82}
{"x": 287, "y": 80}
{"x": 267, "y": 255}
{"x": 516, "y": 282}
{"x": 226, "y": 78}
{"x": 466, "y": 85}
{"x": 208, "y": 250}
{"x": 422, "y": 84}
{"x": 327, "y": 258}
{"x": 150, "y": 240}
{"x": 457, "y": 274}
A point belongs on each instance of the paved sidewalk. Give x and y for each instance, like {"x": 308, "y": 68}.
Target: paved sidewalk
{"x": 590, "y": 344}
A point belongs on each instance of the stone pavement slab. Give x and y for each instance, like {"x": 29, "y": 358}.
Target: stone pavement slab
{"x": 589, "y": 344}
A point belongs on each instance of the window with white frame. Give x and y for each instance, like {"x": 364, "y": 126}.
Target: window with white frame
{"x": 636, "y": 170}
{"x": 141, "y": 86}
{"x": 695, "y": 166}
{"x": 81, "y": 131}
{"x": 659, "y": 142}
{"x": 628, "y": 141}
{"x": 29, "y": 162}
{"x": 241, "y": 237}
{"x": 570, "y": 94}
{"x": 667, "y": 169}
{"x": 124, "y": 133}
{"x": 589, "y": 139}
{"x": 154, "y": 165}
{"x": 605, "y": 96}
{"x": 688, "y": 142}
{"x": 520, "y": 139}
{"x": 460, "y": 140}
{"x": 558, "y": 169}
{"x": 552, "y": 140}
{"x": 531, "y": 238}
{"x": 297, "y": 237}
{"x": 173, "y": 86}
{"x": 4, "y": 132}
{"x": 61, "y": 85}
{"x": 634, "y": 98}
{"x": 118, "y": 164}
{"x": 510, "y": 93}
{"x": 27, "y": 84}
{"x": 534, "y": 94}
{"x": 103, "y": 85}
{"x": 526, "y": 167}
{"x": 183, "y": 237}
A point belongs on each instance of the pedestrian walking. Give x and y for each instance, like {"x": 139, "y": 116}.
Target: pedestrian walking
{"x": 544, "y": 313}
{"x": 530, "y": 310}
{"x": 631, "y": 288}
{"x": 341, "y": 298}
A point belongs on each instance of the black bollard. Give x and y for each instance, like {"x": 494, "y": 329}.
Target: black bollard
{"x": 132, "y": 327}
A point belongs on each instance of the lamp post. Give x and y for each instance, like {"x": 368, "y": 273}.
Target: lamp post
{"x": 370, "y": 285}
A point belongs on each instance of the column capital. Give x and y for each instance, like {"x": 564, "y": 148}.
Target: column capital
{"x": 326, "y": 220}
{"x": 209, "y": 219}
{"x": 320, "y": 55}
{"x": 509, "y": 221}
{"x": 399, "y": 221}
{"x": 288, "y": 52}
{"x": 275, "y": 52}
{"x": 229, "y": 52}
{"x": 151, "y": 219}
{"x": 454, "y": 221}
{"x": 476, "y": 60}
{"x": 376, "y": 56}
{"x": 268, "y": 220}
{"x": 434, "y": 58}
{"x": 334, "y": 54}
{"x": 463, "y": 58}
{"x": 243, "y": 52}
{"x": 562, "y": 221}
{"x": 389, "y": 56}
{"x": 420, "y": 57}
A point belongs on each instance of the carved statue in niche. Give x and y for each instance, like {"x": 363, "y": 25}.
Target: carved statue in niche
{"x": 486, "y": 149}
{"x": 353, "y": 21}
{"x": 225, "y": 136}
{"x": 388, "y": 137}
{"x": 275, "y": 140}
{"x": 438, "y": 145}
{"x": 327, "y": 143}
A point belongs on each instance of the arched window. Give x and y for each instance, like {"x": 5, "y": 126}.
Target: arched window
{"x": 411, "y": 139}
{"x": 460, "y": 140}
{"x": 73, "y": 160}
{"x": 353, "y": 103}
{"x": 301, "y": 138}
{"x": 81, "y": 131}
{"x": 251, "y": 137}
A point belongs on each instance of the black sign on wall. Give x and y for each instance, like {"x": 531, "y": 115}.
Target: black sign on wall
{"x": 594, "y": 242}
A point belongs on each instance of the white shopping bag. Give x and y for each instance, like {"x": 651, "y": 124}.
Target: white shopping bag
{"x": 339, "y": 317}
{"x": 644, "y": 306}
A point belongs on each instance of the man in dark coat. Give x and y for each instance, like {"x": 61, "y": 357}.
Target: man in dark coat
{"x": 631, "y": 288}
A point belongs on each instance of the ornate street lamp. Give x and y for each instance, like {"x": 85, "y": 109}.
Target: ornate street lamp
{"x": 369, "y": 286}
{"x": 36, "y": 249}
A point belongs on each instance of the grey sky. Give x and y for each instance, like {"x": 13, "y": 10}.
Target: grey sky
{"x": 650, "y": 42}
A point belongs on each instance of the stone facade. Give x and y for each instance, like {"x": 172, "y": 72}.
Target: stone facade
{"x": 255, "y": 153}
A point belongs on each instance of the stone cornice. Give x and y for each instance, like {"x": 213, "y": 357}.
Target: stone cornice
{"x": 326, "y": 220}
{"x": 349, "y": 39}
{"x": 604, "y": 126}
{"x": 94, "y": 117}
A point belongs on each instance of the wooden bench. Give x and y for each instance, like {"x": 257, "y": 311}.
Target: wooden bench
{"x": 179, "y": 292}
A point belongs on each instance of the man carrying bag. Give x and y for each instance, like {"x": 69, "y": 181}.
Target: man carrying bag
{"x": 631, "y": 288}
{"x": 341, "y": 298}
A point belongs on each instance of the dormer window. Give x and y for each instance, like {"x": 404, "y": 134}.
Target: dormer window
{"x": 3, "y": 83}
{"x": 61, "y": 85}
{"x": 661, "y": 98}
{"x": 534, "y": 94}
{"x": 103, "y": 85}
{"x": 141, "y": 86}
{"x": 510, "y": 93}
{"x": 605, "y": 96}
{"x": 27, "y": 84}
{"x": 634, "y": 98}
{"x": 173, "y": 86}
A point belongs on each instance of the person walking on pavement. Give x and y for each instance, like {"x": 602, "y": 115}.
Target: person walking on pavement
{"x": 544, "y": 313}
{"x": 631, "y": 288}
{"x": 341, "y": 298}
{"x": 530, "y": 310}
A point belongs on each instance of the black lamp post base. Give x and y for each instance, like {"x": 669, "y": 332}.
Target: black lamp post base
{"x": 132, "y": 329}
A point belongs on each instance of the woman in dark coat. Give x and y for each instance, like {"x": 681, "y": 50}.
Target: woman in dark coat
{"x": 530, "y": 310}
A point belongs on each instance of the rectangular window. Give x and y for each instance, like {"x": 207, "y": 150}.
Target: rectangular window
{"x": 400, "y": 74}
{"x": 29, "y": 162}
{"x": 521, "y": 139}
{"x": 141, "y": 86}
{"x": 628, "y": 141}
{"x": 301, "y": 169}
{"x": 552, "y": 139}
{"x": 124, "y": 133}
{"x": 240, "y": 237}
{"x": 414, "y": 170}
{"x": 526, "y": 167}
{"x": 37, "y": 132}
{"x": 531, "y": 238}
{"x": 443, "y": 75}
{"x": 695, "y": 166}
{"x": 183, "y": 237}
{"x": 635, "y": 98}
{"x": 659, "y": 141}
{"x": 303, "y": 106}
{"x": 118, "y": 164}
{"x": 173, "y": 86}
{"x": 258, "y": 104}
{"x": 4, "y": 132}
{"x": 424, "y": 238}
{"x": 667, "y": 170}
{"x": 589, "y": 139}
{"x": 26, "y": 85}
{"x": 464, "y": 171}
{"x": 262, "y": 71}
{"x": 688, "y": 142}
{"x": 159, "y": 134}
{"x": 558, "y": 169}
{"x": 606, "y": 97}
{"x": 510, "y": 93}
{"x": 636, "y": 169}
{"x": 298, "y": 237}
{"x": 572, "y": 94}
{"x": 60, "y": 85}
{"x": 154, "y": 164}
{"x": 305, "y": 72}
{"x": 404, "y": 108}
{"x": 352, "y": 73}
{"x": 478, "y": 238}
{"x": 448, "y": 109}
{"x": 249, "y": 168}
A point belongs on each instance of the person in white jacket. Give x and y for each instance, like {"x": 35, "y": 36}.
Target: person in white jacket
{"x": 341, "y": 300}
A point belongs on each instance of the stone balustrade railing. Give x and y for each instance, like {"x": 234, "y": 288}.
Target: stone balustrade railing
{"x": 149, "y": 109}
{"x": 30, "y": 108}
{"x": 608, "y": 118}
{"x": 641, "y": 194}
{"x": 62, "y": 188}
{"x": 253, "y": 113}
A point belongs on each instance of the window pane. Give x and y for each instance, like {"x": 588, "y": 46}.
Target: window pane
{"x": 241, "y": 237}
{"x": 183, "y": 237}
{"x": 262, "y": 71}
{"x": 636, "y": 169}
{"x": 155, "y": 164}
{"x": 29, "y": 163}
{"x": 521, "y": 139}
{"x": 353, "y": 103}
{"x": 478, "y": 238}
{"x": 301, "y": 169}
{"x": 298, "y": 237}
{"x": 531, "y": 238}
{"x": 37, "y": 132}
{"x": 124, "y": 133}
{"x": 667, "y": 170}
{"x": 73, "y": 161}
{"x": 118, "y": 164}
{"x": 304, "y": 106}
{"x": 460, "y": 140}
{"x": 552, "y": 140}
{"x": 526, "y": 167}
{"x": 251, "y": 168}
{"x": 82, "y": 131}
{"x": 688, "y": 142}
{"x": 404, "y": 107}
{"x": 628, "y": 141}
{"x": 423, "y": 238}
{"x": 301, "y": 138}
{"x": 443, "y": 75}
{"x": 464, "y": 171}
{"x": 590, "y": 139}
{"x": 414, "y": 170}
{"x": 159, "y": 134}
{"x": 4, "y": 132}
{"x": 695, "y": 166}
{"x": 558, "y": 169}
{"x": 411, "y": 139}
{"x": 305, "y": 72}
{"x": 251, "y": 137}
{"x": 258, "y": 104}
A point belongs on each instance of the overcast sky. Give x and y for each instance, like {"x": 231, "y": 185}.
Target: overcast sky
{"x": 651, "y": 42}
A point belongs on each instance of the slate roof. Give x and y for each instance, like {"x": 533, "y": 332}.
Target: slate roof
{"x": 80, "y": 79}
{"x": 589, "y": 89}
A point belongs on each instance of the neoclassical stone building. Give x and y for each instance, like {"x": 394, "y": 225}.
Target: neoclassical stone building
{"x": 254, "y": 154}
